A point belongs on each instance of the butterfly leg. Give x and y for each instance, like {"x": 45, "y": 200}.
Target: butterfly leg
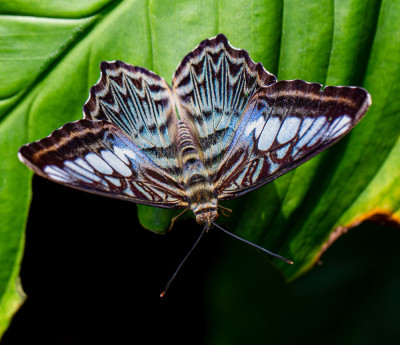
{"x": 173, "y": 220}
{"x": 226, "y": 212}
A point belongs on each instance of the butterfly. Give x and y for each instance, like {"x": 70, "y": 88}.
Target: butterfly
{"x": 224, "y": 128}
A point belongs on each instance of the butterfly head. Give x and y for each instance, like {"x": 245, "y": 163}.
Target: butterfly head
{"x": 207, "y": 218}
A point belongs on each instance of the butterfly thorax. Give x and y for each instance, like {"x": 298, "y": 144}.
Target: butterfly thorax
{"x": 195, "y": 178}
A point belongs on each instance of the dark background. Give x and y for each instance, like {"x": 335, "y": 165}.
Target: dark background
{"x": 93, "y": 275}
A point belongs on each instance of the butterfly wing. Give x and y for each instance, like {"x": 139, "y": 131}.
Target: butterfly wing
{"x": 212, "y": 86}
{"x": 140, "y": 103}
{"x": 98, "y": 157}
{"x": 284, "y": 125}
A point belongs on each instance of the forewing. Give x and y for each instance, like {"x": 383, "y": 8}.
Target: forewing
{"x": 212, "y": 86}
{"x": 284, "y": 125}
{"x": 140, "y": 103}
{"x": 97, "y": 157}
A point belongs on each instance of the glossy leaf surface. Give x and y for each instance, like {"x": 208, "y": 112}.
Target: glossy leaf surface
{"x": 51, "y": 52}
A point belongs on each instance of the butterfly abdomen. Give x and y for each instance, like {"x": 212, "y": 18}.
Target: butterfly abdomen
{"x": 195, "y": 178}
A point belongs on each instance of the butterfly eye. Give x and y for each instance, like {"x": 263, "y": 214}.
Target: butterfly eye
{"x": 191, "y": 161}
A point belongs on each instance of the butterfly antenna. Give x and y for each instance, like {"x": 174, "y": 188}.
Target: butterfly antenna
{"x": 162, "y": 294}
{"x": 254, "y": 245}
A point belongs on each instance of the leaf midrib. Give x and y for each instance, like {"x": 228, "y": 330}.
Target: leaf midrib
{"x": 97, "y": 19}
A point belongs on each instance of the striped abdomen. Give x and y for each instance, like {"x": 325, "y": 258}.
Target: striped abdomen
{"x": 199, "y": 189}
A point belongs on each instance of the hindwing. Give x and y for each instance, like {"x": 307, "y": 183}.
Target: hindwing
{"x": 97, "y": 157}
{"x": 284, "y": 125}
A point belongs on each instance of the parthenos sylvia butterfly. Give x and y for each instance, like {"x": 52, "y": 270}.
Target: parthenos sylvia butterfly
{"x": 238, "y": 129}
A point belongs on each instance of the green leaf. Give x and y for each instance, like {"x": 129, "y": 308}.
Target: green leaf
{"x": 50, "y": 53}
{"x": 350, "y": 298}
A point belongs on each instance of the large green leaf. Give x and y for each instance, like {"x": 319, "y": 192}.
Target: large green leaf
{"x": 50, "y": 53}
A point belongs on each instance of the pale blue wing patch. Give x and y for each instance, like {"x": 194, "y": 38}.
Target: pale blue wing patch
{"x": 96, "y": 156}
{"x": 284, "y": 125}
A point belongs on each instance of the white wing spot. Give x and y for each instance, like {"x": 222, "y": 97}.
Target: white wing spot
{"x": 319, "y": 135}
{"x": 257, "y": 172}
{"x": 268, "y": 134}
{"x": 305, "y": 125}
{"x": 123, "y": 152}
{"x": 272, "y": 166}
{"x": 116, "y": 182}
{"x": 288, "y": 129}
{"x": 78, "y": 176}
{"x": 257, "y": 125}
{"x": 81, "y": 162}
{"x": 85, "y": 175}
{"x": 281, "y": 153}
{"x": 128, "y": 191}
{"x": 56, "y": 173}
{"x": 312, "y": 131}
{"x": 340, "y": 125}
{"x": 98, "y": 164}
{"x": 309, "y": 132}
{"x": 146, "y": 194}
{"x": 116, "y": 163}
